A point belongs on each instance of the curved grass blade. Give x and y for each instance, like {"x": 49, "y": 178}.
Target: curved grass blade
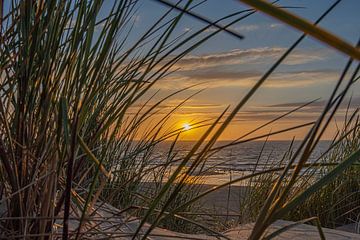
{"x": 306, "y": 27}
{"x": 329, "y": 177}
{"x": 290, "y": 226}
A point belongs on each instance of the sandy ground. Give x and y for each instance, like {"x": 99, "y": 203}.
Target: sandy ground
{"x": 111, "y": 223}
{"x": 225, "y": 200}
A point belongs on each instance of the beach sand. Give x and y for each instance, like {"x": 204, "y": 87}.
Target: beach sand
{"x": 222, "y": 201}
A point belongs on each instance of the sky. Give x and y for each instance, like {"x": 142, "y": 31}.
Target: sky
{"x": 227, "y": 67}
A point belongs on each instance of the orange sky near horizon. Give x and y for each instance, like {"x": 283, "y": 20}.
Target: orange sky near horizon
{"x": 192, "y": 127}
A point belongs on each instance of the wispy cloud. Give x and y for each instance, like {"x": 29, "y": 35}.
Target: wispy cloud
{"x": 136, "y": 18}
{"x": 249, "y": 56}
{"x": 244, "y": 67}
{"x": 247, "y": 28}
{"x": 215, "y": 78}
{"x": 242, "y": 28}
{"x": 257, "y": 113}
{"x": 275, "y": 25}
{"x": 308, "y": 113}
{"x": 187, "y": 29}
{"x": 318, "y": 105}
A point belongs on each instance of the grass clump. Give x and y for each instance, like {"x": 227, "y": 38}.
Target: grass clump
{"x": 336, "y": 204}
{"x": 70, "y": 79}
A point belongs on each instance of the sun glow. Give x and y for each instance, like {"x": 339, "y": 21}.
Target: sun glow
{"x": 186, "y": 127}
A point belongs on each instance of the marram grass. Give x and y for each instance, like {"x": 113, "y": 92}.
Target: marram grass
{"x": 69, "y": 139}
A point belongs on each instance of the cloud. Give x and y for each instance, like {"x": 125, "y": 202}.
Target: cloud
{"x": 318, "y": 105}
{"x": 268, "y": 116}
{"x": 249, "y": 56}
{"x": 216, "y": 74}
{"x": 136, "y": 18}
{"x": 241, "y": 28}
{"x": 241, "y": 68}
{"x": 275, "y": 25}
{"x": 236, "y": 56}
{"x": 215, "y": 78}
{"x": 187, "y": 29}
{"x": 190, "y": 106}
{"x": 301, "y": 78}
{"x": 256, "y": 113}
{"x": 308, "y": 113}
{"x": 247, "y": 28}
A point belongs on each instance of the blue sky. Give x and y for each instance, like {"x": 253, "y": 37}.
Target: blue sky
{"x": 343, "y": 21}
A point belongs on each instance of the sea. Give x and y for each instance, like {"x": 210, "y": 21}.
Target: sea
{"x": 231, "y": 162}
{"x": 244, "y": 156}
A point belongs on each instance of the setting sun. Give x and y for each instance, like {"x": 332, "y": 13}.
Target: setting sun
{"x": 186, "y": 126}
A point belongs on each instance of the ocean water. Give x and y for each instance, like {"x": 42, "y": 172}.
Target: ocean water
{"x": 244, "y": 156}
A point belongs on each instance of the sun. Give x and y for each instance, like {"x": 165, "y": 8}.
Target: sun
{"x": 186, "y": 126}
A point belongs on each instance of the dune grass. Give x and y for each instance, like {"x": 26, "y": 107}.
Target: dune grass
{"x": 336, "y": 204}
{"x": 74, "y": 105}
